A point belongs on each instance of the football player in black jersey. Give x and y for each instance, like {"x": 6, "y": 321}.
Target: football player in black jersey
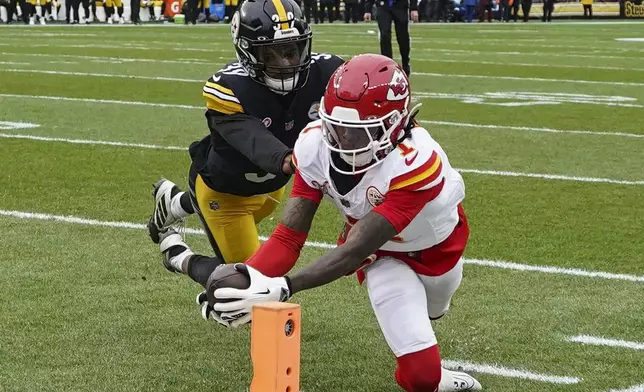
{"x": 256, "y": 107}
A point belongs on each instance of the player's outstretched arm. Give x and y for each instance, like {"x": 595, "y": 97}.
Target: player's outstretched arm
{"x": 280, "y": 253}
{"x": 366, "y": 237}
{"x": 298, "y": 214}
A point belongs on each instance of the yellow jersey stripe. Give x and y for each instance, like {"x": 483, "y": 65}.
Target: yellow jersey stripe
{"x": 220, "y": 88}
{"x": 221, "y": 95}
{"x": 218, "y": 104}
{"x": 433, "y": 169}
{"x": 281, "y": 13}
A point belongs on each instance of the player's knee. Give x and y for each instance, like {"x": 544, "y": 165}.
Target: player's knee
{"x": 419, "y": 371}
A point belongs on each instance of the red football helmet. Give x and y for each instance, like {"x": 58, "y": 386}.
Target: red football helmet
{"x": 364, "y": 111}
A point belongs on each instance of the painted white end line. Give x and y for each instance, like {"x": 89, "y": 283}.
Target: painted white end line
{"x": 507, "y": 372}
{"x": 528, "y": 79}
{"x": 324, "y": 245}
{"x": 445, "y": 123}
{"x": 472, "y": 171}
{"x": 601, "y": 341}
{"x": 101, "y": 75}
{"x": 634, "y": 388}
{"x": 90, "y": 142}
{"x": 551, "y": 176}
{"x": 532, "y": 129}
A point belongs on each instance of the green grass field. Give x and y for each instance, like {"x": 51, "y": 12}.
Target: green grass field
{"x": 544, "y": 121}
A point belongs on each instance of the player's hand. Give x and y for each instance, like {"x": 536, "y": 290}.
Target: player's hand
{"x": 208, "y": 313}
{"x": 288, "y": 167}
{"x": 367, "y": 17}
{"x": 414, "y": 16}
{"x": 262, "y": 289}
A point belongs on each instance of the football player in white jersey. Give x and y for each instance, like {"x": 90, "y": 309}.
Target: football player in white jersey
{"x": 405, "y": 228}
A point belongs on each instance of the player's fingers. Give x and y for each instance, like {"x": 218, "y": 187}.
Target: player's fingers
{"x": 241, "y": 321}
{"x": 205, "y": 311}
{"x": 234, "y": 315}
{"x": 230, "y": 306}
{"x": 201, "y": 298}
{"x": 230, "y": 293}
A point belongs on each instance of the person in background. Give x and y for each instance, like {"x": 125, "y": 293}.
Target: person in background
{"x": 192, "y": 12}
{"x": 526, "y": 5}
{"x": 351, "y": 11}
{"x": 326, "y": 5}
{"x": 397, "y": 11}
{"x": 470, "y": 8}
{"x": 109, "y": 10}
{"x": 135, "y": 10}
{"x": 588, "y": 8}
{"x": 307, "y": 7}
{"x": 548, "y": 7}
{"x": 485, "y": 6}
{"x": 231, "y": 7}
{"x": 515, "y": 9}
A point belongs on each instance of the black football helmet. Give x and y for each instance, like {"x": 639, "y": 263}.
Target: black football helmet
{"x": 273, "y": 43}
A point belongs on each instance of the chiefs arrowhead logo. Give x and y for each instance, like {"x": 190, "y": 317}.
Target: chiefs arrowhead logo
{"x": 398, "y": 87}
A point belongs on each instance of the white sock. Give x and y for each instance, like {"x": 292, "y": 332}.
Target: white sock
{"x": 447, "y": 381}
{"x": 175, "y": 207}
{"x": 177, "y": 261}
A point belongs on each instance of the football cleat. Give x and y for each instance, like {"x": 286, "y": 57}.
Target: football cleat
{"x": 458, "y": 381}
{"x": 173, "y": 249}
{"x": 162, "y": 216}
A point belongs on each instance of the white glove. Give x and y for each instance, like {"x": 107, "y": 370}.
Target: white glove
{"x": 208, "y": 313}
{"x": 262, "y": 289}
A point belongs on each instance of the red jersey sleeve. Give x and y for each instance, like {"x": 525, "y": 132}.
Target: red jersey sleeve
{"x": 302, "y": 189}
{"x": 401, "y": 206}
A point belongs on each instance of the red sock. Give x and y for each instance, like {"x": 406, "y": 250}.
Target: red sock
{"x": 419, "y": 371}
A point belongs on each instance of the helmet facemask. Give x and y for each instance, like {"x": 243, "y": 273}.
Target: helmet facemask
{"x": 282, "y": 64}
{"x": 362, "y": 144}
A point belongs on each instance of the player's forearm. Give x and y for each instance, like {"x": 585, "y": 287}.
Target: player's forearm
{"x": 332, "y": 266}
{"x": 366, "y": 237}
{"x": 250, "y": 137}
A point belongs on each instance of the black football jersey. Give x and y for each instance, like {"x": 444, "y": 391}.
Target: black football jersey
{"x": 248, "y": 115}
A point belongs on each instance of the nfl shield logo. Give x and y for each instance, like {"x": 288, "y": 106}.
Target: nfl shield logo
{"x": 214, "y": 205}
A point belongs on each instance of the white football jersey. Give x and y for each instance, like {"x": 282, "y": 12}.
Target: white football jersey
{"x": 418, "y": 163}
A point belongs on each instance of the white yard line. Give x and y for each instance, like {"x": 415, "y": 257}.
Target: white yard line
{"x": 560, "y": 177}
{"x": 442, "y": 123}
{"x": 601, "y": 341}
{"x": 556, "y": 270}
{"x": 101, "y": 75}
{"x": 90, "y": 142}
{"x": 551, "y": 176}
{"x": 103, "y": 101}
{"x": 531, "y": 129}
{"x": 528, "y": 79}
{"x": 426, "y": 74}
{"x": 486, "y": 263}
{"x": 634, "y": 388}
{"x": 508, "y": 372}
{"x": 211, "y": 64}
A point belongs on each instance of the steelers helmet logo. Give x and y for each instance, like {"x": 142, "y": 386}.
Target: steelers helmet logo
{"x": 234, "y": 26}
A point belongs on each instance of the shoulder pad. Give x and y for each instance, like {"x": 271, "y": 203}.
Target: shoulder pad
{"x": 219, "y": 90}
{"x": 308, "y": 144}
{"x": 417, "y": 163}
{"x": 326, "y": 58}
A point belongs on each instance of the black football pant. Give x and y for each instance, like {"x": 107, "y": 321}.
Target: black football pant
{"x": 135, "y": 7}
{"x": 399, "y": 15}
